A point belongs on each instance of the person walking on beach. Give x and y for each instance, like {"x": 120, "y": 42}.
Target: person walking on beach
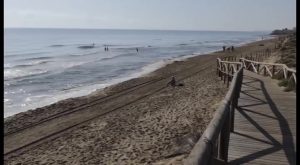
{"x": 137, "y": 50}
{"x": 224, "y": 48}
{"x": 232, "y": 48}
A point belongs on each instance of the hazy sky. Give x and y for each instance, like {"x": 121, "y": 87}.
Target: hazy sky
{"x": 152, "y": 14}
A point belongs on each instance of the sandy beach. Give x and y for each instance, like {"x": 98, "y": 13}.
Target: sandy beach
{"x": 154, "y": 124}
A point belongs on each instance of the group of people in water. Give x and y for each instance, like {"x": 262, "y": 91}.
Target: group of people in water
{"x": 105, "y": 48}
{"x": 231, "y": 48}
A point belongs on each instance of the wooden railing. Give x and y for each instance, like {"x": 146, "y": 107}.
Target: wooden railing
{"x": 212, "y": 148}
{"x": 270, "y": 69}
{"x": 254, "y": 55}
{"x": 226, "y": 69}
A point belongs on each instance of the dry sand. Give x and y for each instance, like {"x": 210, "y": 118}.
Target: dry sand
{"x": 159, "y": 129}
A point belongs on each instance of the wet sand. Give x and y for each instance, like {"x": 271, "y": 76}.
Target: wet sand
{"x": 158, "y": 129}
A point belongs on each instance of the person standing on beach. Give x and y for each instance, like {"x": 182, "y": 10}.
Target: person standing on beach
{"x": 232, "y": 48}
{"x": 224, "y": 48}
{"x": 137, "y": 50}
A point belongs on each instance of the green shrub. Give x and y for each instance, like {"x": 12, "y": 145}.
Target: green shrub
{"x": 278, "y": 76}
{"x": 289, "y": 85}
{"x": 283, "y": 83}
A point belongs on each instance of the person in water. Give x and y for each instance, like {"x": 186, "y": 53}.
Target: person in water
{"x": 106, "y": 48}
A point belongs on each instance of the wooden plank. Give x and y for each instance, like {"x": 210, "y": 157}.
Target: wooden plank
{"x": 264, "y": 134}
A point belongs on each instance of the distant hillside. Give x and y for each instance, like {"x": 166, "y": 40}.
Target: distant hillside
{"x": 283, "y": 31}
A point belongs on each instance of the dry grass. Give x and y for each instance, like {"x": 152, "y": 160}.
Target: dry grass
{"x": 288, "y": 51}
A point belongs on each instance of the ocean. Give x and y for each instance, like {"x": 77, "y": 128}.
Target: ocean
{"x": 43, "y": 66}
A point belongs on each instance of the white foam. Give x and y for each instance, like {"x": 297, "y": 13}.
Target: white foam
{"x": 151, "y": 67}
{"x": 15, "y": 73}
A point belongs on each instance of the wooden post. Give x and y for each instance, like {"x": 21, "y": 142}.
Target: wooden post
{"x": 240, "y": 82}
{"x": 273, "y": 70}
{"x": 265, "y": 71}
{"x": 224, "y": 77}
{"x": 224, "y": 138}
{"x": 228, "y": 76}
{"x": 258, "y": 68}
{"x": 218, "y": 73}
{"x": 215, "y": 149}
{"x": 233, "y": 105}
{"x": 221, "y": 73}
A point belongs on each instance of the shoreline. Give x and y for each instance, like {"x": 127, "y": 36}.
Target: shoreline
{"x": 150, "y": 130}
{"x": 144, "y": 71}
{"x": 110, "y": 88}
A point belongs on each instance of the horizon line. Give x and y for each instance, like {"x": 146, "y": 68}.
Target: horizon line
{"x": 135, "y": 29}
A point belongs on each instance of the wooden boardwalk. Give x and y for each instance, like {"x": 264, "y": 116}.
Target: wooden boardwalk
{"x": 264, "y": 124}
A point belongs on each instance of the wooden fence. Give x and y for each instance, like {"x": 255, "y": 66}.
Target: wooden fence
{"x": 255, "y": 56}
{"x": 212, "y": 148}
{"x": 226, "y": 69}
{"x": 270, "y": 69}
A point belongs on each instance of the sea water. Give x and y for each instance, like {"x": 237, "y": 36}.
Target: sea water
{"x": 43, "y": 66}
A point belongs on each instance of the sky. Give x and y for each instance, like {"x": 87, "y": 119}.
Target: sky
{"x": 227, "y": 15}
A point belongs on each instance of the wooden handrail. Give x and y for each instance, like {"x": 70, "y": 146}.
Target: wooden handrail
{"x": 213, "y": 144}
{"x": 205, "y": 151}
{"x": 257, "y": 67}
{"x": 226, "y": 69}
{"x": 265, "y": 63}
